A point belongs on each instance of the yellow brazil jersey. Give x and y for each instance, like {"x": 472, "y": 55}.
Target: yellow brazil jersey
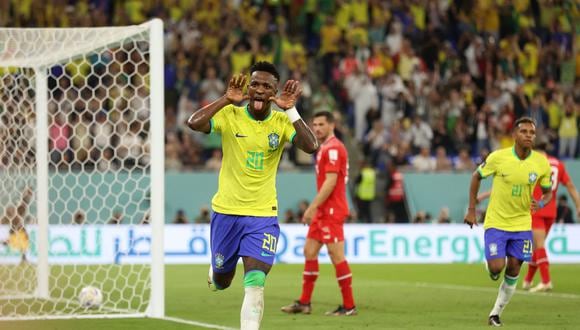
{"x": 514, "y": 180}
{"x": 18, "y": 240}
{"x": 251, "y": 153}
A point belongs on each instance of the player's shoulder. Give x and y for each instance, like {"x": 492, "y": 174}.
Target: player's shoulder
{"x": 277, "y": 120}
{"x": 232, "y": 110}
{"x": 500, "y": 154}
{"x": 336, "y": 144}
{"x": 540, "y": 158}
{"x": 337, "y": 150}
{"x": 554, "y": 161}
{"x": 505, "y": 151}
{"x": 279, "y": 116}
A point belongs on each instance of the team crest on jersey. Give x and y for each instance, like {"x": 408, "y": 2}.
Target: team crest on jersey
{"x": 332, "y": 155}
{"x": 273, "y": 141}
{"x": 533, "y": 177}
{"x": 219, "y": 261}
{"x": 493, "y": 249}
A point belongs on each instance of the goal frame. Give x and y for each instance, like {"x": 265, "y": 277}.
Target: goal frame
{"x": 40, "y": 66}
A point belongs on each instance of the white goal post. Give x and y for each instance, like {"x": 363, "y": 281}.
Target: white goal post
{"x": 81, "y": 149}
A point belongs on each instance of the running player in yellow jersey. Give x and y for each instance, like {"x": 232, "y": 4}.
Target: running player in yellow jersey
{"x": 244, "y": 220}
{"x": 508, "y": 222}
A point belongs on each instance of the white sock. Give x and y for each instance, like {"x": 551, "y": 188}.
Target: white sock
{"x": 506, "y": 291}
{"x": 252, "y": 308}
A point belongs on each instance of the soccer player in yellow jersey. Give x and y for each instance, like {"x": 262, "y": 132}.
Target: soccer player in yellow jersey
{"x": 244, "y": 220}
{"x": 508, "y": 222}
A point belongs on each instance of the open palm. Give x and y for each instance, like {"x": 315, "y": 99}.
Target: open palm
{"x": 235, "y": 91}
{"x": 289, "y": 95}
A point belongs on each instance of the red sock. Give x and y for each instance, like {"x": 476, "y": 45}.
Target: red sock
{"x": 532, "y": 267}
{"x": 344, "y": 277}
{"x": 544, "y": 265}
{"x": 308, "y": 278}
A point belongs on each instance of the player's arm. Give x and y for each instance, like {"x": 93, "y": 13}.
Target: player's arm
{"x": 546, "y": 184}
{"x": 574, "y": 194}
{"x": 322, "y": 195}
{"x": 470, "y": 217}
{"x": 487, "y": 168}
{"x": 304, "y": 139}
{"x": 200, "y": 119}
{"x": 546, "y": 198}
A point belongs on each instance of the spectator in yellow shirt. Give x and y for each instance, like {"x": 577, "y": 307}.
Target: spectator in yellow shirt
{"x": 330, "y": 35}
{"x": 528, "y": 60}
{"x": 417, "y": 9}
{"x": 240, "y": 58}
{"x": 297, "y": 61}
{"x": 358, "y": 35}
{"x": 264, "y": 54}
{"x": 568, "y": 131}
{"x": 360, "y": 12}
{"x": 343, "y": 14}
{"x": 554, "y": 111}
{"x": 407, "y": 61}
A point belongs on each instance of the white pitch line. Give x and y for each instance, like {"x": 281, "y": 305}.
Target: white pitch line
{"x": 199, "y": 324}
{"x": 481, "y": 289}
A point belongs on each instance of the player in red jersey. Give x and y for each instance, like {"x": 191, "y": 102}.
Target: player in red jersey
{"x": 326, "y": 215}
{"x": 543, "y": 220}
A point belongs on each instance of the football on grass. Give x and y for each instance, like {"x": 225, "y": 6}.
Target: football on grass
{"x": 90, "y": 297}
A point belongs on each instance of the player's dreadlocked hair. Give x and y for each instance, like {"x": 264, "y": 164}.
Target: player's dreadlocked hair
{"x": 266, "y": 67}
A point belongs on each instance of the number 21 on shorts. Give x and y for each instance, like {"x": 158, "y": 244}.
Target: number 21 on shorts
{"x": 527, "y": 246}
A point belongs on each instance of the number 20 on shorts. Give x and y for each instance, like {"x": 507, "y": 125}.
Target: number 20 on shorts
{"x": 269, "y": 243}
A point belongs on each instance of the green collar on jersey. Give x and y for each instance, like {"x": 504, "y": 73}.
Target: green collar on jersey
{"x": 252, "y": 117}
{"x": 516, "y": 154}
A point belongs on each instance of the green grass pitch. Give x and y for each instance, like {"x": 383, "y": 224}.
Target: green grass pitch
{"x": 456, "y": 296}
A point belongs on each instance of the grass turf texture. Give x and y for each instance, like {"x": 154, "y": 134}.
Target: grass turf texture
{"x": 388, "y": 296}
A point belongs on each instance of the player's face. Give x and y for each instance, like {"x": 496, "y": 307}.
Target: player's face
{"x": 263, "y": 85}
{"x": 322, "y": 128}
{"x": 525, "y": 134}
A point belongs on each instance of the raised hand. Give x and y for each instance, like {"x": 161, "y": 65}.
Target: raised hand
{"x": 289, "y": 96}
{"x": 235, "y": 91}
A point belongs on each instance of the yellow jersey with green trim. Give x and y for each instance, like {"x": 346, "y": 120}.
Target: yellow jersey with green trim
{"x": 251, "y": 153}
{"x": 513, "y": 185}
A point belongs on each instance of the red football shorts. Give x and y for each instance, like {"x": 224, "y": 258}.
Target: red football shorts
{"x": 328, "y": 230}
{"x": 542, "y": 223}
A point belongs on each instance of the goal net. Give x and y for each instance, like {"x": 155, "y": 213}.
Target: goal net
{"x": 81, "y": 171}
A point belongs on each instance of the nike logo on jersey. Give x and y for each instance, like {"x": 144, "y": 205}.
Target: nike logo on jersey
{"x": 239, "y": 135}
{"x": 264, "y": 254}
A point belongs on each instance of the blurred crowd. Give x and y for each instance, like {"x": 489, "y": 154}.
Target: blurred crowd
{"x": 430, "y": 85}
